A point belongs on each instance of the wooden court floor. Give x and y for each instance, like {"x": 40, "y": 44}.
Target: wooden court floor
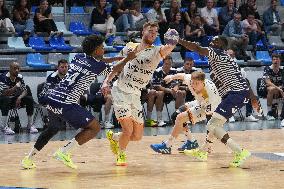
{"x": 149, "y": 170}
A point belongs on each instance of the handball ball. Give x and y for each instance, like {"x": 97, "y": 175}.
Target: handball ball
{"x": 171, "y": 37}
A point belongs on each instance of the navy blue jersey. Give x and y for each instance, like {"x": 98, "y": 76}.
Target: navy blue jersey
{"x": 225, "y": 73}
{"x": 82, "y": 72}
{"x": 7, "y": 83}
{"x": 275, "y": 78}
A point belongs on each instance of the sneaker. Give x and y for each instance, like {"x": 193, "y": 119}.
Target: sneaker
{"x": 32, "y": 129}
{"x": 112, "y": 143}
{"x": 108, "y": 125}
{"x": 188, "y": 145}
{"x": 200, "y": 155}
{"x": 151, "y": 123}
{"x": 28, "y": 163}
{"x": 251, "y": 118}
{"x": 161, "y": 123}
{"x": 161, "y": 148}
{"x": 8, "y": 131}
{"x": 65, "y": 158}
{"x": 282, "y": 123}
{"x": 239, "y": 158}
{"x": 270, "y": 118}
{"x": 232, "y": 119}
{"x": 121, "y": 159}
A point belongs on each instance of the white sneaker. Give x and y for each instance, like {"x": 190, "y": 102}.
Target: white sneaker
{"x": 108, "y": 125}
{"x": 232, "y": 119}
{"x": 161, "y": 123}
{"x": 8, "y": 131}
{"x": 270, "y": 118}
{"x": 251, "y": 118}
{"x": 282, "y": 123}
{"x": 32, "y": 129}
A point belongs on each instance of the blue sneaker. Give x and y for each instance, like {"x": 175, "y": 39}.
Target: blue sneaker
{"x": 161, "y": 148}
{"x": 188, "y": 145}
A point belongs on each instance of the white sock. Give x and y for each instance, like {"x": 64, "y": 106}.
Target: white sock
{"x": 30, "y": 120}
{"x": 169, "y": 142}
{"x": 32, "y": 153}
{"x": 106, "y": 117}
{"x": 97, "y": 116}
{"x": 189, "y": 136}
{"x": 149, "y": 115}
{"x": 70, "y": 146}
{"x": 159, "y": 116}
{"x": 233, "y": 146}
{"x": 116, "y": 136}
{"x": 5, "y": 121}
{"x": 269, "y": 108}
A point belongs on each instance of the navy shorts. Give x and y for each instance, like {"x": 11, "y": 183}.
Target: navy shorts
{"x": 231, "y": 102}
{"x": 73, "y": 114}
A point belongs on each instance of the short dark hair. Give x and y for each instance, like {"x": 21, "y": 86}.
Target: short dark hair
{"x": 91, "y": 42}
{"x": 62, "y": 61}
{"x": 188, "y": 59}
{"x": 275, "y": 55}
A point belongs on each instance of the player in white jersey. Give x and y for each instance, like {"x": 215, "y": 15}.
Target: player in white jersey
{"x": 206, "y": 101}
{"x": 126, "y": 90}
{"x": 234, "y": 91}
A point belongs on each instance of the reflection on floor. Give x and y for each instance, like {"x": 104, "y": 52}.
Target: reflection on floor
{"x": 199, "y": 128}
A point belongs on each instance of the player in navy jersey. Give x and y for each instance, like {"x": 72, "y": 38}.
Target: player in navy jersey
{"x": 62, "y": 102}
{"x": 234, "y": 91}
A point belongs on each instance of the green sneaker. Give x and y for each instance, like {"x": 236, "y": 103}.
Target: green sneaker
{"x": 28, "y": 163}
{"x": 200, "y": 155}
{"x": 65, "y": 158}
{"x": 239, "y": 158}
{"x": 151, "y": 123}
{"x": 121, "y": 159}
{"x": 112, "y": 143}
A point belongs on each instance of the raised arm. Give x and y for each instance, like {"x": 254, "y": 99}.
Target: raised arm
{"x": 194, "y": 47}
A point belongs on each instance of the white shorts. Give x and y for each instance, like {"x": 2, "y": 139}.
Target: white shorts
{"x": 197, "y": 110}
{"x": 127, "y": 105}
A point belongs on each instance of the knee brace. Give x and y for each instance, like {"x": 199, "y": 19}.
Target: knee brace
{"x": 175, "y": 114}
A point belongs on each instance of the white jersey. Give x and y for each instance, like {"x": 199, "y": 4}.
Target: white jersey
{"x": 137, "y": 73}
{"x": 210, "y": 99}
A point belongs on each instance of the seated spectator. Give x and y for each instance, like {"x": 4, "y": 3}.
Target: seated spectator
{"x": 271, "y": 20}
{"x": 210, "y": 17}
{"x": 43, "y": 19}
{"x": 156, "y": 14}
{"x": 177, "y": 24}
{"x": 14, "y": 94}
{"x": 226, "y": 14}
{"x": 5, "y": 22}
{"x": 175, "y": 8}
{"x": 253, "y": 30}
{"x": 249, "y": 109}
{"x": 101, "y": 21}
{"x": 21, "y": 18}
{"x": 249, "y": 8}
{"x": 273, "y": 76}
{"x": 192, "y": 10}
{"x": 56, "y": 3}
{"x": 195, "y": 31}
{"x": 120, "y": 12}
{"x": 187, "y": 69}
{"x": 237, "y": 38}
{"x": 136, "y": 18}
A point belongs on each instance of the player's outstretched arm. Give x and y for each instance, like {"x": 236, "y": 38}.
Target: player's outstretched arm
{"x": 194, "y": 47}
{"x": 169, "y": 78}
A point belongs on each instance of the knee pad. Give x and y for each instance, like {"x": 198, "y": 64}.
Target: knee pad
{"x": 175, "y": 114}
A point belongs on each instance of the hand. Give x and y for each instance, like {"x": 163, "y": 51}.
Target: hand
{"x": 18, "y": 102}
{"x": 105, "y": 89}
{"x": 168, "y": 79}
{"x": 130, "y": 56}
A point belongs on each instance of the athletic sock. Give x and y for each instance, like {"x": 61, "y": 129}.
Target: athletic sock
{"x": 70, "y": 146}
{"x": 170, "y": 141}
{"x": 32, "y": 153}
{"x": 116, "y": 136}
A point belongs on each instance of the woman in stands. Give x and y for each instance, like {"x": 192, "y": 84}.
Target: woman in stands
{"x": 43, "y": 19}
{"x": 21, "y": 18}
{"x": 175, "y": 8}
{"x": 177, "y": 24}
{"x": 5, "y": 22}
{"x": 101, "y": 20}
{"x": 192, "y": 10}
